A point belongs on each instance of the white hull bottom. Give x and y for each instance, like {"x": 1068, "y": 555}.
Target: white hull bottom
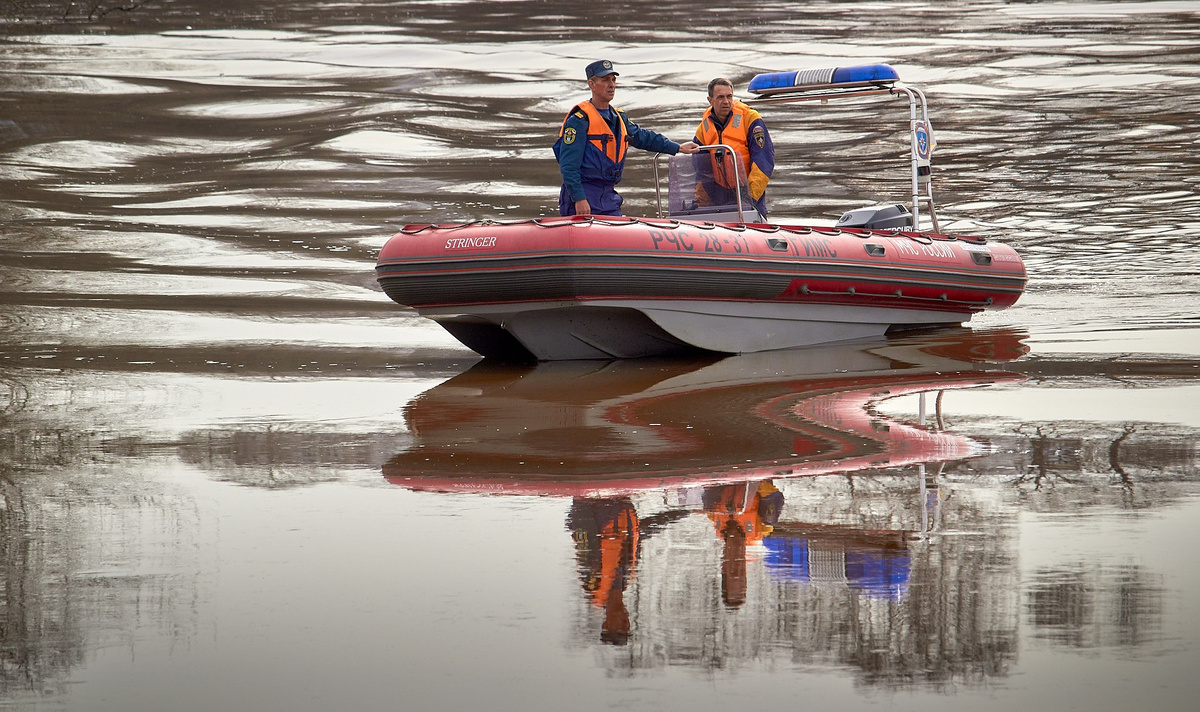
{"x": 606, "y": 329}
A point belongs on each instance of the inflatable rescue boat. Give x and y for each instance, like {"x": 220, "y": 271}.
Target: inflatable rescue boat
{"x": 712, "y": 278}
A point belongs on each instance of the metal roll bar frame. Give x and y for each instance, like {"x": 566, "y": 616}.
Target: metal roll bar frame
{"x": 922, "y": 168}
{"x": 915, "y": 96}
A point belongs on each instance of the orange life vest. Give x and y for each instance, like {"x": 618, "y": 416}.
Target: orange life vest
{"x": 735, "y": 135}
{"x": 600, "y": 134}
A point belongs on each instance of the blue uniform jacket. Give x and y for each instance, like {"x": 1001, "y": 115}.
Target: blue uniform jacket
{"x": 583, "y": 168}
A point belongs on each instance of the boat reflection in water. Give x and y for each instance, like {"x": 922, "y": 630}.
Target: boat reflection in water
{"x": 707, "y": 495}
{"x": 595, "y": 428}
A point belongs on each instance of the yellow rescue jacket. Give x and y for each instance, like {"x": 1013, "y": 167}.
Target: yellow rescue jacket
{"x": 736, "y": 135}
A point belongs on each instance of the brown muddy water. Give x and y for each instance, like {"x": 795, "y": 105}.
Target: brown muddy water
{"x": 233, "y": 476}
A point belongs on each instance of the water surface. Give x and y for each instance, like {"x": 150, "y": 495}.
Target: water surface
{"x": 234, "y": 476}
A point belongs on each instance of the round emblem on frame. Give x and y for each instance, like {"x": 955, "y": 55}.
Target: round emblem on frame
{"x": 922, "y": 134}
{"x": 569, "y": 135}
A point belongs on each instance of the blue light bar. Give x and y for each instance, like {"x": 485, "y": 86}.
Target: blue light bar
{"x": 828, "y": 78}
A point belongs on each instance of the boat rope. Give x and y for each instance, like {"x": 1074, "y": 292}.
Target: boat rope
{"x": 923, "y": 238}
{"x": 668, "y": 223}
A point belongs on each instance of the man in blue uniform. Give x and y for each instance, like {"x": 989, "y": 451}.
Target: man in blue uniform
{"x": 591, "y": 147}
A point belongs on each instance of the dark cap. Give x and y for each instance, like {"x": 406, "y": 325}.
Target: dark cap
{"x": 600, "y": 68}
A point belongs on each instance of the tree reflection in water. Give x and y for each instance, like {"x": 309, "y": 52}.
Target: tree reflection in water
{"x": 906, "y": 574}
{"x": 1090, "y": 606}
{"x": 92, "y": 555}
{"x": 770, "y": 574}
{"x": 852, "y": 572}
{"x": 764, "y": 511}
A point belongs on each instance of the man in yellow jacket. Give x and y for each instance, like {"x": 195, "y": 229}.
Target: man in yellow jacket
{"x": 741, "y": 128}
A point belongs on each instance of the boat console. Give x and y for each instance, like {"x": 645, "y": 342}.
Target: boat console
{"x": 691, "y": 188}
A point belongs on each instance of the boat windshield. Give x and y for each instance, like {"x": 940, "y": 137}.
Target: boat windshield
{"x": 706, "y": 186}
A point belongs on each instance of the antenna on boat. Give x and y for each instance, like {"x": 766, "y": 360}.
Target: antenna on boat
{"x": 859, "y": 81}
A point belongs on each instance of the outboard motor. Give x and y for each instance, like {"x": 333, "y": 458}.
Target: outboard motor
{"x": 877, "y": 217}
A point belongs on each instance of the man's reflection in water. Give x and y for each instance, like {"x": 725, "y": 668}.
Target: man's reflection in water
{"x": 742, "y": 514}
{"x": 608, "y": 535}
{"x": 606, "y": 548}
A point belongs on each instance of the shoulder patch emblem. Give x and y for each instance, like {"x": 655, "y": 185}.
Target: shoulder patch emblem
{"x": 760, "y": 136}
{"x": 569, "y": 135}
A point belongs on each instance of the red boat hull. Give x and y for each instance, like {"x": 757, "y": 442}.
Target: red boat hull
{"x": 586, "y": 287}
